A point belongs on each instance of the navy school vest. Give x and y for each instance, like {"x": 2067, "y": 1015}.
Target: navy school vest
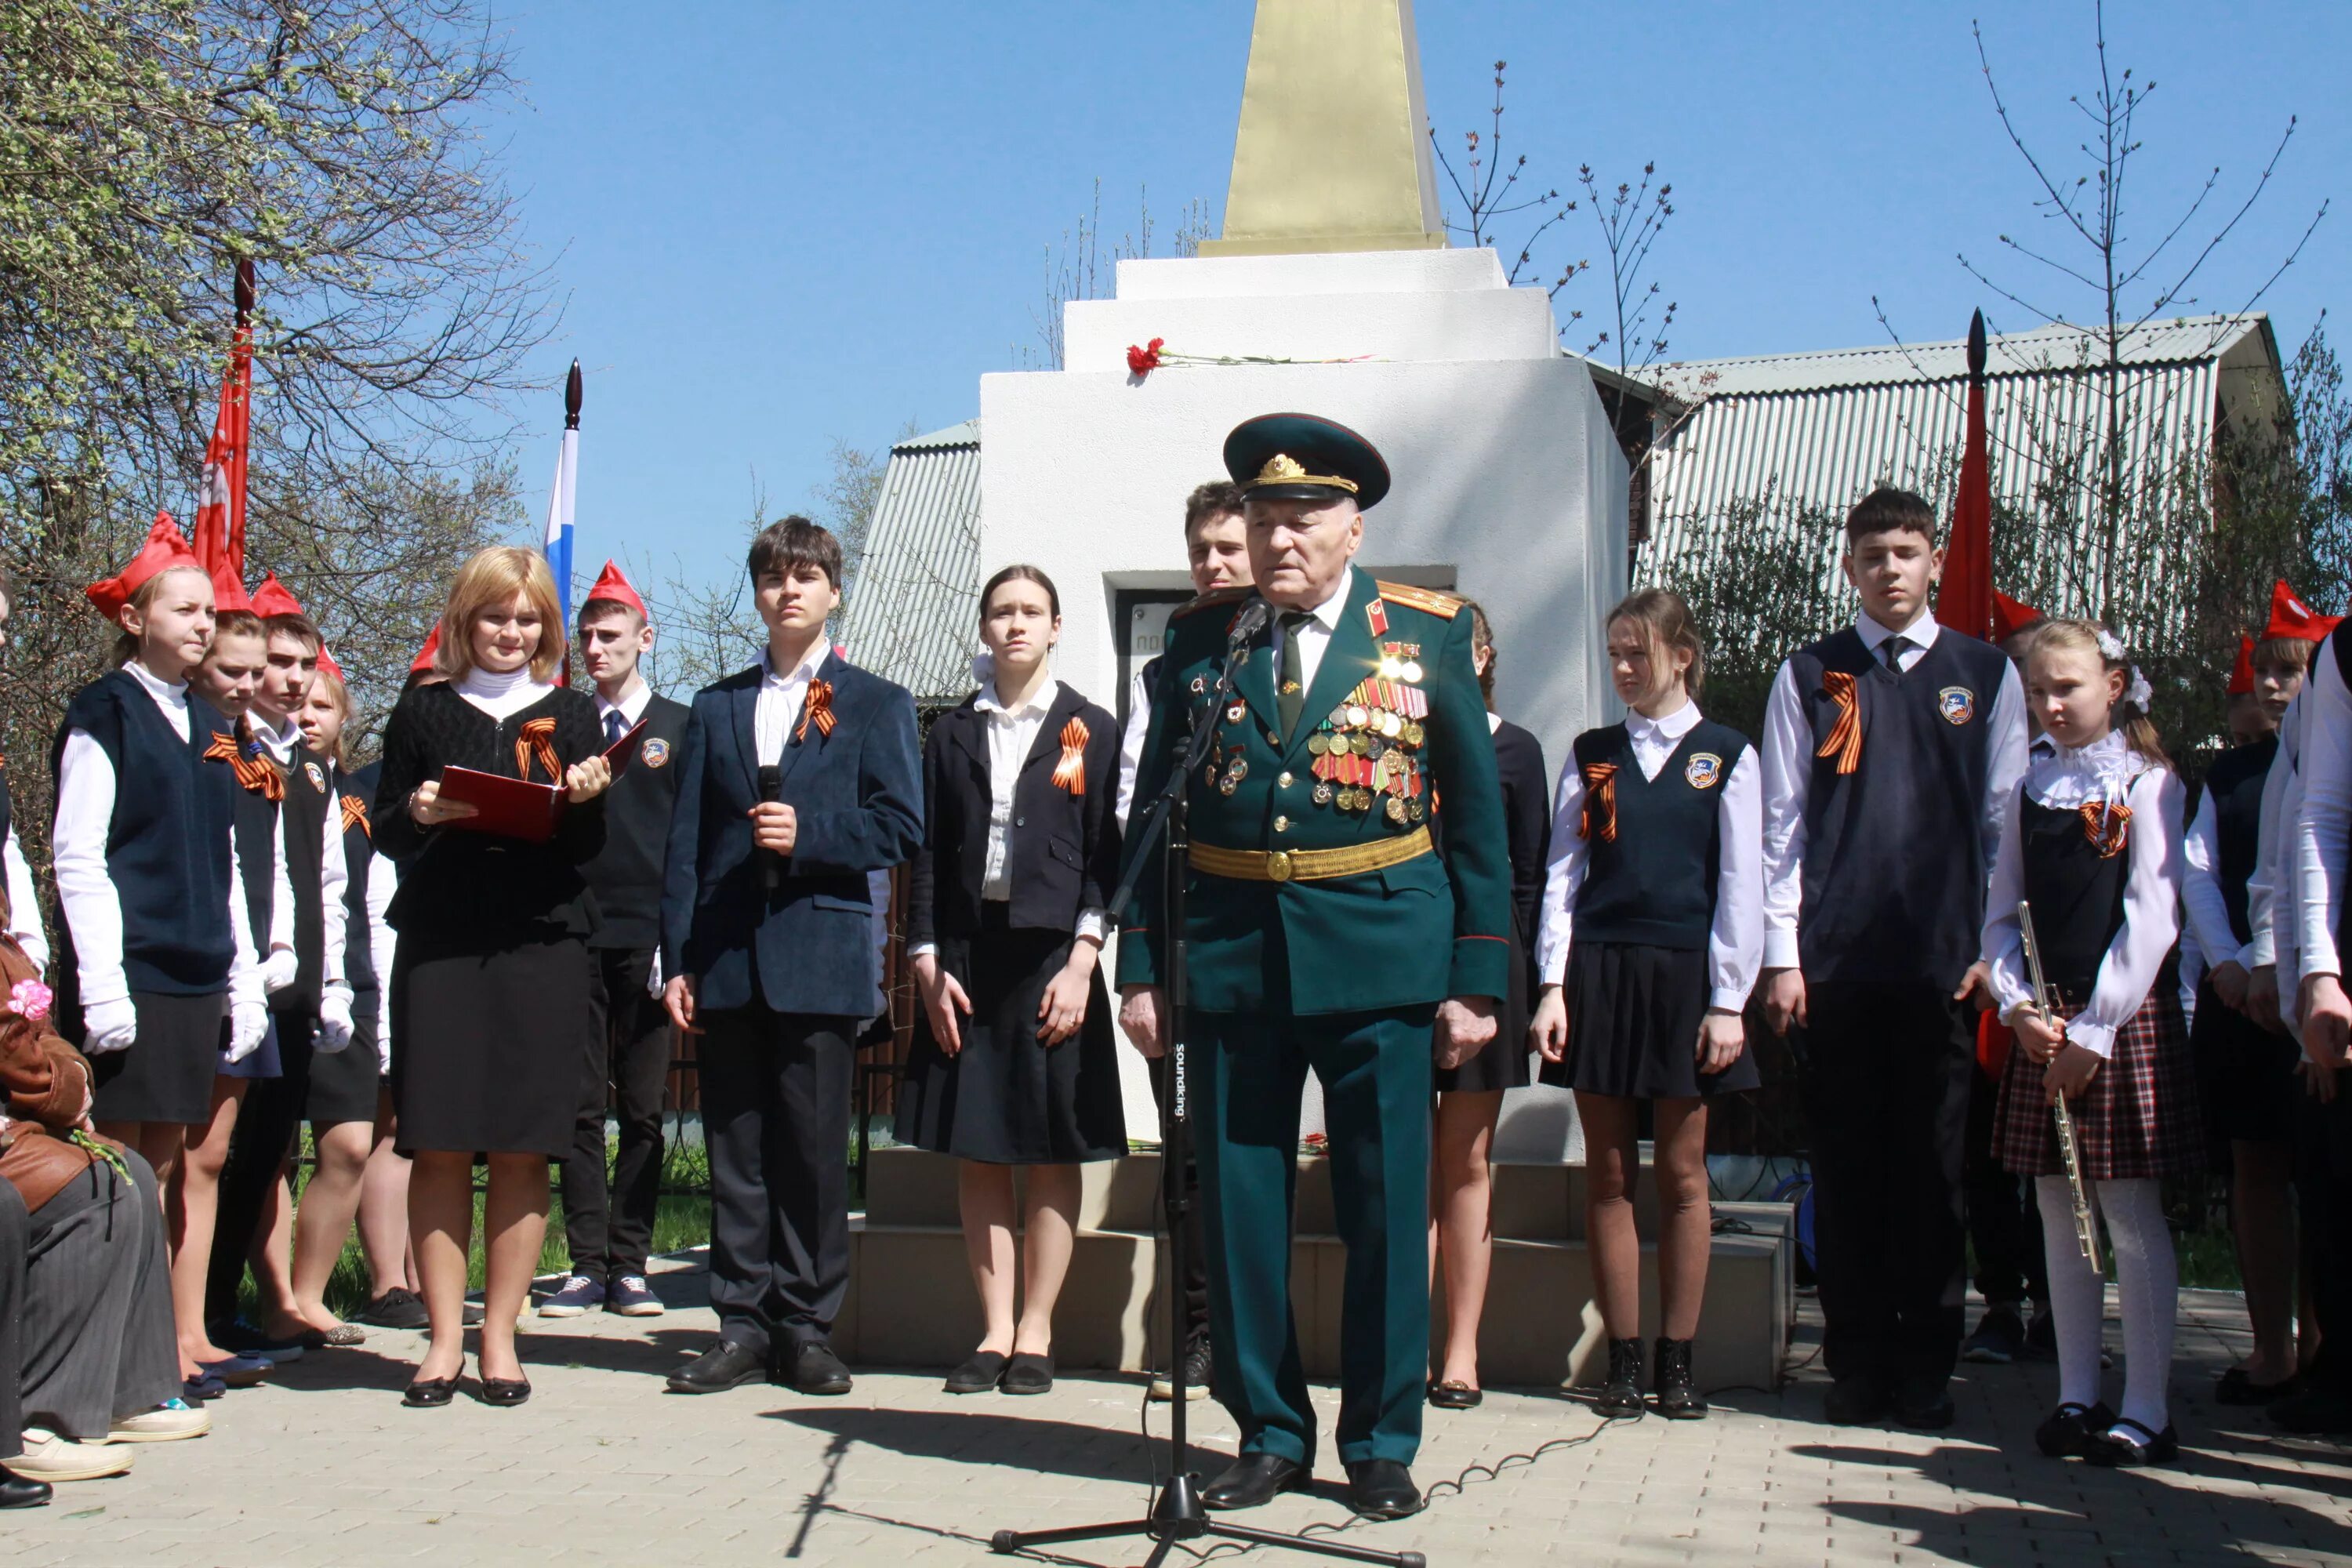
{"x": 2235, "y": 783}
{"x": 167, "y": 844}
{"x": 1654, "y": 846}
{"x": 1895, "y": 864}
{"x": 2075, "y": 872}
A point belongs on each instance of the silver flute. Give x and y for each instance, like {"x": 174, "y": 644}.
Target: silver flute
{"x": 2086, "y": 1227}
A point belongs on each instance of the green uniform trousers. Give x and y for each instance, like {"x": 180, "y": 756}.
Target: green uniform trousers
{"x": 1248, "y": 1071}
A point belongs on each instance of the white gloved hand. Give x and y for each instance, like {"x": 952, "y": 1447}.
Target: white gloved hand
{"x": 653, "y": 977}
{"x": 334, "y": 1018}
{"x": 384, "y": 1053}
{"x": 109, "y": 1026}
{"x": 278, "y": 971}
{"x": 248, "y": 1025}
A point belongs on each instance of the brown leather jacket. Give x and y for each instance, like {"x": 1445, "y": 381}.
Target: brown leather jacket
{"x": 44, "y": 1086}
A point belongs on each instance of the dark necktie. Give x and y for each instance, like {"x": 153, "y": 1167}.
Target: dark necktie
{"x": 616, "y": 724}
{"x": 1291, "y": 695}
{"x": 1896, "y": 647}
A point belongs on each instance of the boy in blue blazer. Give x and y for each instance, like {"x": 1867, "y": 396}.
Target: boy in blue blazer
{"x": 797, "y": 778}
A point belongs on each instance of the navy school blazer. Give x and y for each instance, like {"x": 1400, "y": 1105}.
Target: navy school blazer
{"x": 806, "y": 946}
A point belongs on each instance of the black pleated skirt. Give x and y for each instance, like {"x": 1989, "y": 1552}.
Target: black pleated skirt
{"x": 2245, "y": 1076}
{"x": 1633, "y": 1015}
{"x": 167, "y": 1073}
{"x": 489, "y": 1043}
{"x": 1506, "y": 1062}
{"x": 1007, "y": 1099}
{"x": 343, "y": 1083}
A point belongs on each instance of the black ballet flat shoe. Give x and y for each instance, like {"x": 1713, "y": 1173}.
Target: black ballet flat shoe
{"x": 505, "y": 1391}
{"x": 1621, "y": 1395}
{"x": 430, "y": 1393}
{"x": 1255, "y": 1479}
{"x": 2127, "y": 1445}
{"x": 984, "y": 1371}
{"x": 2236, "y": 1388}
{"x": 1028, "y": 1374}
{"x": 2067, "y": 1430}
{"x": 1383, "y": 1488}
{"x": 1678, "y": 1399}
{"x": 1455, "y": 1396}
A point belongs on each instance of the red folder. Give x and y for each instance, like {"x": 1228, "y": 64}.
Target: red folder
{"x": 514, "y": 808}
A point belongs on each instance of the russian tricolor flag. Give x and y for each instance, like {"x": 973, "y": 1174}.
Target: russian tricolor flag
{"x": 560, "y": 499}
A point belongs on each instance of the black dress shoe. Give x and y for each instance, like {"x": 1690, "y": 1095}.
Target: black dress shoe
{"x": 1383, "y": 1488}
{"x": 2067, "y": 1430}
{"x": 811, "y": 1367}
{"x": 1925, "y": 1407}
{"x": 430, "y": 1393}
{"x": 1255, "y": 1479}
{"x": 505, "y": 1391}
{"x": 2236, "y": 1388}
{"x": 1455, "y": 1396}
{"x": 16, "y": 1491}
{"x": 2128, "y": 1444}
{"x": 723, "y": 1366}
{"x": 1855, "y": 1401}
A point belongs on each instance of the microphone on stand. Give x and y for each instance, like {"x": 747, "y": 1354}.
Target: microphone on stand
{"x": 1249, "y": 623}
{"x": 771, "y": 865}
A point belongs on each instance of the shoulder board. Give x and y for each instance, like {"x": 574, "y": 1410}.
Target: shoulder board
{"x": 1429, "y": 601}
{"x": 1208, "y": 601}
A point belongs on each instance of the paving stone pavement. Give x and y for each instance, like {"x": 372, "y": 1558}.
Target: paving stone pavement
{"x": 324, "y": 1467}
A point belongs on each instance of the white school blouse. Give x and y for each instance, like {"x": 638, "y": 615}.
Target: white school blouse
{"x": 335, "y": 874}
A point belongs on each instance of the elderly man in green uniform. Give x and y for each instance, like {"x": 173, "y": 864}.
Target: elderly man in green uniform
{"x": 1324, "y": 930}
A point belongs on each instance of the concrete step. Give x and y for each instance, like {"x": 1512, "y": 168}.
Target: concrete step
{"x": 912, "y": 1303}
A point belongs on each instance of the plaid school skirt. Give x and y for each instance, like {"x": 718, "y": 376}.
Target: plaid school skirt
{"x": 2138, "y": 1116}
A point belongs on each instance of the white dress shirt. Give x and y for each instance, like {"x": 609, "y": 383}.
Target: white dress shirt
{"x": 2098, "y": 772}
{"x": 1130, "y": 744}
{"x": 776, "y": 712}
{"x": 2269, "y": 912}
{"x": 334, "y": 876}
{"x": 24, "y": 902}
{"x": 630, "y": 708}
{"x": 2201, "y": 894}
{"x": 1314, "y": 636}
{"x": 1789, "y": 769}
{"x": 86, "y": 895}
{"x": 1735, "y": 944}
{"x": 2323, "y": 819}
{"x": 384, "y": 881}
{"x": 1012, "y": 734}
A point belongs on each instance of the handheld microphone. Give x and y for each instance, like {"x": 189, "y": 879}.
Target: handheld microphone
{"x": 771, "y": 787}
{"x": 1249, "y": 623}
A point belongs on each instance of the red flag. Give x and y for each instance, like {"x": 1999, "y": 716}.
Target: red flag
{"x": 1965, "y": 604}
{"x": 220, "y": 500}
{"x": 2242, "y": 674}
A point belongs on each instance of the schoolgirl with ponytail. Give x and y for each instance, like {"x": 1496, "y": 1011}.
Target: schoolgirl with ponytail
{"x": 2092, "y": 841}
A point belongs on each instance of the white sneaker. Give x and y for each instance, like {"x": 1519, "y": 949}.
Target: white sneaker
{"x": 167, "y": 1423}
{"x": 49, "y": 1458}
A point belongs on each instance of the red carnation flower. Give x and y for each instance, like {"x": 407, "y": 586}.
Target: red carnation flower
{"x": 1144, "y": 361}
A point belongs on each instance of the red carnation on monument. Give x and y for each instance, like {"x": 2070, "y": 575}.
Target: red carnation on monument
{"x": 1144, "y": 361}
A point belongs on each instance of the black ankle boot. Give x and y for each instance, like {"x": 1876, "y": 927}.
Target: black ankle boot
{"x": 1677, "y": 1400}
{"x": 1621, "y": 1395}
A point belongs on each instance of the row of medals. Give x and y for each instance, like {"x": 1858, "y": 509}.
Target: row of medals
{"x": 1364, "y": 749}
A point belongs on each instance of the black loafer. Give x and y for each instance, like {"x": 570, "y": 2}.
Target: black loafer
{"x": 505, "y": 1391}
{"x": 2067, "y": 1430}
{"x": 723, "y": 1366}
{"x": 1383, "y": 1488}
{"x": 16, "y": 1491}
{"x": 1455, "y": 1396}
{"x": 1028, "y": 1374}
{"x": 811, "y": 1367}
{"x": 984, "y": 1371}
{"x": 1924, "y": 1408}
{"x": 1855, "y": 1401}
{"x": 2128, "y": 1444}
{"x": 1253, "y": 1480}
{"x": 430, "y": 1393}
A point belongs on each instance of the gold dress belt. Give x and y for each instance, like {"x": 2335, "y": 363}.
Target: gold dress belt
{"x": 1309, "y": 865}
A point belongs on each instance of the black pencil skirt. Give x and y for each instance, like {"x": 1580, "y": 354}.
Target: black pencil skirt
{"x": 1008, "y": 1098}
{"x": 488, "y": 1043}
{"x": 166, "y": 1075}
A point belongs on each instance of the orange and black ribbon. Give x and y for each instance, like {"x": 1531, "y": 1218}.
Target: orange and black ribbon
{"x": 253, "y": 773}
{"x": 817, "y": 710}
{"x": 1070, "y": 773}
{"x": 1599, "y": 823}
{"x": 2107, "y": 827}
{"x": 355, "y": 815}
{"x": 536, "y": 741}
{"x": 1845, "y": 736}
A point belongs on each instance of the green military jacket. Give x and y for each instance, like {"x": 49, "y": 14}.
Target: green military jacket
{"x": 1393, "y": 725}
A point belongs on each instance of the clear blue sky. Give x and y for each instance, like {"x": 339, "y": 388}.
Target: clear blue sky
{"x": 780, "y": 224}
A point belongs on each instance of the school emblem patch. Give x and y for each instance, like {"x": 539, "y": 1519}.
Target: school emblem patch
{"x": 1957, "y": 704}
{"x": 654, "y": 751}
{"x": 317, "y": 778}
{"x": 1704, "y": 771}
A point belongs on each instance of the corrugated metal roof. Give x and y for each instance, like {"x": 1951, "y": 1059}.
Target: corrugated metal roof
{"x": 1794, "y": 435}
{"x": 911, "y": 617}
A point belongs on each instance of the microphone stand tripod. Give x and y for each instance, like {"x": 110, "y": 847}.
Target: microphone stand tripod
{"x": 1178, "y": 1515}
